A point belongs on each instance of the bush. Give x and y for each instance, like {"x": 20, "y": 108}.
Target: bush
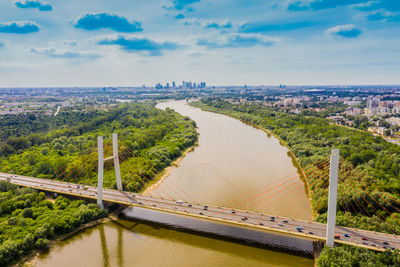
{"x": 27, "y": 213}
{"x": 42, "y": 243}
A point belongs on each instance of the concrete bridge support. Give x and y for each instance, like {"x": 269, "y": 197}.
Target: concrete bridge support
{"x": 332, "y": 202}
{"x": 101, "y": 161}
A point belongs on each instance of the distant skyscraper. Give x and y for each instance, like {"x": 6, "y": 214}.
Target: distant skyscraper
{"x": 173, "y": 84}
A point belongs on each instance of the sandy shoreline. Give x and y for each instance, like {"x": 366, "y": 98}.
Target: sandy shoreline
{"x": 167, "y": 171}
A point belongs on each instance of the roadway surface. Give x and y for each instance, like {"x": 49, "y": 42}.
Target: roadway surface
{"x": 312, "y": 230}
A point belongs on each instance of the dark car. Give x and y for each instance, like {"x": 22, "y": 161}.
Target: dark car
{"x": 337, "y": 236}
{"x": 346, "y": 235}
{"x": 205, "y": 208}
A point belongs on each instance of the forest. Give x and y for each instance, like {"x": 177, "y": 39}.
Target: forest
{"x": 64, "y": 147}
{"x": 369, "y": 175}
{"x": 347, "y": 256}
{"x": 29, "y": 221}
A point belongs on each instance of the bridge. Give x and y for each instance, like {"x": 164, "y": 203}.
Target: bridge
{"x": 301, "y": 229}
{"x": 310, "y": 230}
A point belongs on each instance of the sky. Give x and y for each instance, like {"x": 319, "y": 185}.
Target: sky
{"x": 49, "y": 43}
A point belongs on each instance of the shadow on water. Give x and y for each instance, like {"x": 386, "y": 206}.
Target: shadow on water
{"x": 106, "y": 257}
{"x": 222, "y": 231}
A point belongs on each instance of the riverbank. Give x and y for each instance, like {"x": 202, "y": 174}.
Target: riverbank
{"x": 160, "y": 177}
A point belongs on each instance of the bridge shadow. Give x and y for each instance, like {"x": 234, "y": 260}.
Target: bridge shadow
{"x": 157, "y": 220}
{"x": 199, "y": 241}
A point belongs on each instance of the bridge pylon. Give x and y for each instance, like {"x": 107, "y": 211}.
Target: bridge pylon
{"x": 101, "y": 161}
{"x": 332, "y": 201}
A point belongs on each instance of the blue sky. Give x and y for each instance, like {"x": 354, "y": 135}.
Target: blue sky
{"x": 222, "y": 42}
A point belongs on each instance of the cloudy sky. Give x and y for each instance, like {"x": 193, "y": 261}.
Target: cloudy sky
{"x": 222, "y": 42}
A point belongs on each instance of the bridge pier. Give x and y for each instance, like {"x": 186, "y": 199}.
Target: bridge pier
{"x": 332, "y": 201}
{"x": 100, "y": 172}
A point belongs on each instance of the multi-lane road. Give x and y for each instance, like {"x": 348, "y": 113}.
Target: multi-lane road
{"x": 293, "y": 227}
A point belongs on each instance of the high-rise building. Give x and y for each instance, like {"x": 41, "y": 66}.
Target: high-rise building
{"x": 173, "y": 84}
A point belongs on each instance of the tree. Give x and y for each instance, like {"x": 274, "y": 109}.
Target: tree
{"x": 42, "y": 243}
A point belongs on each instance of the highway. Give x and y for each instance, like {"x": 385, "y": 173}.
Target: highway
{"x": 311, "y": 230}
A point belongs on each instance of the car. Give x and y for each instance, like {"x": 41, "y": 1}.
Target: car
{"x": 311, "y": 233}
{"x": 141, "y": 203}
{"x": 233, "y": 212}
{"x": 205, "y": 208}
{"x": 272, "y": 218}
{"x": 300, "y": 229}
{"x": 386, "y": 243}
{"x": 244, "y": 219}
{"x": 85, "y": 187}
{"x": 384, "y": 247}
{"x": 337, "y": 236}
{"x": 154, "y": 205}
{"x": 373, "y": 245}
{"x": 261, "y": 223}
{"x": 280, "y": 224}
{"x": 201, "y": 213}
{"x": 276, "y": 226}
{"x": 189, "y": 205}
{"x": 179, "y": 202}
{"x": 364, "y": 238}
{"x": 346, "y": 235}
{"x": 365, "y": 243}
{"x": 285, "y": 221}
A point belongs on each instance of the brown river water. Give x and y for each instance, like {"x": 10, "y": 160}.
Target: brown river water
{"x": 232, "y": 166}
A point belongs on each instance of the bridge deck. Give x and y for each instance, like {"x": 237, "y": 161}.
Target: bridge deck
{"x": 312, "y": 230}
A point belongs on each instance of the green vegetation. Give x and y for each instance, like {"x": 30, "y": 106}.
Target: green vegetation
{"x": 28, "y": 221}
{"x": 369, "y": 189}
{"x": 344, "y": 256}
{"x": 65, "y": 147}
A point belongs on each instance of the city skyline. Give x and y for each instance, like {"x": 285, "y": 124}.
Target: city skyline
{"x": 131, "y": 43}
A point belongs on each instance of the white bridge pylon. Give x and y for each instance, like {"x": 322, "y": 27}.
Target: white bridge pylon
{"x": 332, "y": 201}
{"x": 101, "y": 167}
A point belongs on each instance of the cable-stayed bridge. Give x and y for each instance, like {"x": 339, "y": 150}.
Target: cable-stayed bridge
{"x": 322, "y": 174}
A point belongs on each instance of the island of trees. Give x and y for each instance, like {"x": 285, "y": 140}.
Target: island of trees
{"x": 65, "y": 147}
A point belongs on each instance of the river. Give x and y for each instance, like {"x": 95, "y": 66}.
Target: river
{"x": 232, "y": 166}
